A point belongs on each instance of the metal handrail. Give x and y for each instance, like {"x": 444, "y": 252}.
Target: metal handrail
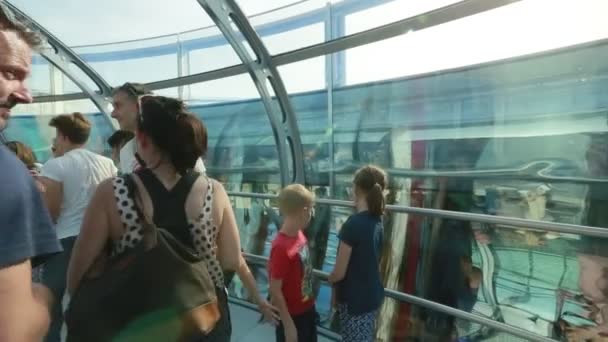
{"x": 404, "y": 297}
{"x": 514, "y": 173}
{"x": 503, "y": 221}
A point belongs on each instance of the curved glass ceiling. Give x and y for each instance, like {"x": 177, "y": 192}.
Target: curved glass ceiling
{"x": 95, "y": 22}
{"x": 185, "y": 49}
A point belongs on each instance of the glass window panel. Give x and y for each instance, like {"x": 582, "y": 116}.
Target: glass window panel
{"x": 529, "y": 284}
{"x": 311, "y": 115}
{"x": 136, "y": 61}
{"x": 233, "y": 88}
{"x": 205, "y": 50}
{"x": 169, "y": 92}
{"x": 79, "y": 23}
{"x": 315, "y": 134}
{"x": 483, "y": 122}
{"x": 30, "y": 125}
{"x": 304, "y": 76}
{"x": 462, "y": 42}
{"x": 362, "y": 16}
{"x": 294, "y": 39}
{"x": 291, "y": 27}
{"x": 46, "y": 79}
{"x": 241, "y": 151}
{"x": 524, "y": 138}
{"x": 39, "y": 81}
{"x": 253, "y": 7}
{"x": 71, "y": 87}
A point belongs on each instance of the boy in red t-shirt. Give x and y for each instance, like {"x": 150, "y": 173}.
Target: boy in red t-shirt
{"x": 290, "y": 268}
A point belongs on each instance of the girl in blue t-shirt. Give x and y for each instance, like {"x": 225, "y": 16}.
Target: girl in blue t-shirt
{"x": 356, "y": 276}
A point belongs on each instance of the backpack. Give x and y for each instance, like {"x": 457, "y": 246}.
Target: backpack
{"x": 161, "y": 290}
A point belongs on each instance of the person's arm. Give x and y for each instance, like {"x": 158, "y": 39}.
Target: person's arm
{"x": 276, "y": 295}
{"x": 344, "y": 252}
{"x": 51, "y": 177}
{"x": 248, "y": 280}
{"x": 348, "y": 238}
{"x": 24, "y": 307}
{"x": 26, "y": 232}
{"x": 93, "y": 237}
{"x": 228, "y": 240}
{"x": 53, "y": 196}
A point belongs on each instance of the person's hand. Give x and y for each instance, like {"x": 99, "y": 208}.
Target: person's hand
{"x": 481, "y": 237}
{"x": 271, "y": 314}
{"x": 291, "y": 334}
{"x": 36, "y": 175}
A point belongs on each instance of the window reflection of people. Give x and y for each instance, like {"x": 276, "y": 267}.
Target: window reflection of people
{"x": 592, "y": 254}
{"x": 318, "y": 233}
{"x": 454, "y": 281}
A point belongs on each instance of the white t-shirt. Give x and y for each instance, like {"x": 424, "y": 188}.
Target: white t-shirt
{"x": 79, "y": 171}
{"x": 128, "y": 162}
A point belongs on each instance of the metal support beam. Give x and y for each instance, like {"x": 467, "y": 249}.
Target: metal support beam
{"x": 101, "y": 102}
{"x": 456, "y": 11}
{"x": 61, "y": 56}
{"x": 255, "y": 57}
{"x": 330, "y": 65}
{"x": 418, "y": 22}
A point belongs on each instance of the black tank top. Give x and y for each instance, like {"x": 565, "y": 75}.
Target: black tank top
{"x": 170, "y": 205}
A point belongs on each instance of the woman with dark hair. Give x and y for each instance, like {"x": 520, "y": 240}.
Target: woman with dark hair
{"x": 356, "y": 275}
{"x": 168, "y": 194}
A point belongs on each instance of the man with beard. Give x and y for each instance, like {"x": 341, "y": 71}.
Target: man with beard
{"x": 26, "y": 231}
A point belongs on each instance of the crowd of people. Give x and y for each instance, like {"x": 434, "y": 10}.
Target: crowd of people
{"x": 136, "y": 246}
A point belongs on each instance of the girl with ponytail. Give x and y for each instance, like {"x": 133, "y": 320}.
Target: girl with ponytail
{"x": 356, "y": 275}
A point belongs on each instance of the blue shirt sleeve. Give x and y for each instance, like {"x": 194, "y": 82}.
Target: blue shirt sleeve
{"x": 26, "y": 230}
{"x": 348, "y": 232}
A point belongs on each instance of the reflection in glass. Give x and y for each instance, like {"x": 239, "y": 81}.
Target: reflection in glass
{"x": 530, "y": 145}
{"x": 34, "y": 131}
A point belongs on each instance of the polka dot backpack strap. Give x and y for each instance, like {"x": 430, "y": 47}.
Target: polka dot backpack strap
{"x": 204, "y": 232}
{"x": 129, "y": 216}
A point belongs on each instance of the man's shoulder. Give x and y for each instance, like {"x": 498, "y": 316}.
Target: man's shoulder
{"x": 54, "y": 162}
{"x": 26, "y": 230}
{"x": 101, "y": 158}
{"x": 14, "y": 173}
